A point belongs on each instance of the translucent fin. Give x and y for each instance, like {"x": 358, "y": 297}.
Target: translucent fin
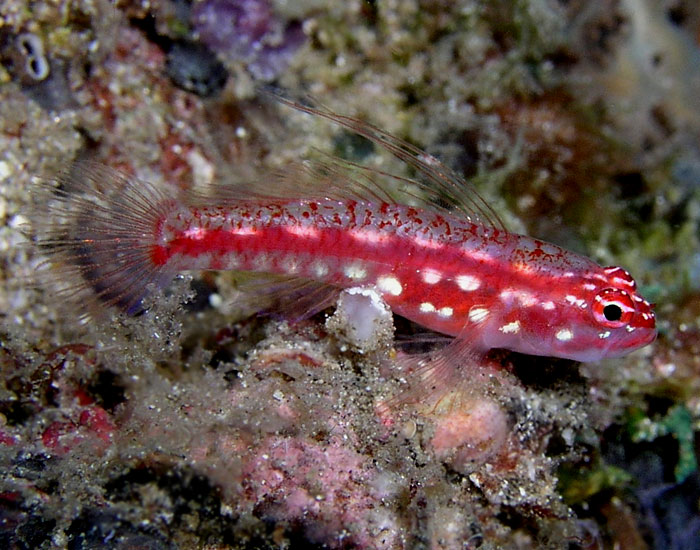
{"x": 422, "y": 342}
{"x": 322, "y": 178}
{"x": 435, "y": 377}
{"x": 332, "y": 178}
{"x": 435, "y": 183}
{"x": 96, "y": 226}
{"x": 293, "y": 298}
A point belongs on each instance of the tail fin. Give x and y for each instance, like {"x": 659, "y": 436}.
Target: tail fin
{"x": 97, "y": 227}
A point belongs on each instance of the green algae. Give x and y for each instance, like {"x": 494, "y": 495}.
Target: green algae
{"x": 677, "y": 422}
{"x": 578, "y": 485}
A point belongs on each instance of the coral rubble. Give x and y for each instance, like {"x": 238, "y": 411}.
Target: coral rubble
{"x": 198, "y": 425}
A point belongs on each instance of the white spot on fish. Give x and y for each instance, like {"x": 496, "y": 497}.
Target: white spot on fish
{"x": 510, "y": 328}
{"x": 630, "y": 328}
{"x": 603, "y": 335}
{"x": 479, "y": 255}
{"x": 290, "y": 264}
{"x": 195, "y": 233}
{"x": 431, "y": 277}
{"x": 243, "y": 231}
{"x": 261, "y": 262}
{"x": 305, "y": 231}
{"x": 523, "y": 297}
{"x": 523, "y": 267}
{"x": 370, "y": 237}
{"x": 589, "y": 286}
{"x": 232, "y": 262}
{"x": 355, "y": 272}
{"x": 390, "y": 285}
{"x": 427, "y": 243}
{"x": 564, "y": 335}
{"x": 320, "y": 269}
{"x": 445, "y": 312}
{"x": 548, "y": 305}
{"x": 478, "y": 314}
{"x": 427, "y": 307}
{"x": 468, "y": 283}
{"x": 574, "y": 301}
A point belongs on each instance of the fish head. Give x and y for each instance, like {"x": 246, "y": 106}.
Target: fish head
{"x": 606, "y": 317}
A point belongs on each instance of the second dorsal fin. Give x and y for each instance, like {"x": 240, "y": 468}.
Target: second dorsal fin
{"x": 434, "y": 184}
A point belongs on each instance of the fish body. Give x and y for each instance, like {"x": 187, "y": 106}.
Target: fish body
{"x": 454, "y": 270}
{"x": 450, "y": 275}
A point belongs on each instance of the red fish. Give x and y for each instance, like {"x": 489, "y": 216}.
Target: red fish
{"x": 453, "y": 269}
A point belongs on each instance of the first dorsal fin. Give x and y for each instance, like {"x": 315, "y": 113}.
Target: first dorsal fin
{"x": 325, "y": 177}
{"x": 434, "y": 184}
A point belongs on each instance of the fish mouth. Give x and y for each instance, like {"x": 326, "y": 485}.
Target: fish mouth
{"x": 645, "y": 336}
{"x": 651, "y": 337}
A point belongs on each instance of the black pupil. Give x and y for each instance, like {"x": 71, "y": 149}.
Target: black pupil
{"x": 612, "y": 312}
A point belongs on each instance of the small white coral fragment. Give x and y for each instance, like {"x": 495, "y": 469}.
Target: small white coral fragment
{"x": 362, "y": 320}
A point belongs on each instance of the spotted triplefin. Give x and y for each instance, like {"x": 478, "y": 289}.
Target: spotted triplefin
{"x": 437, "y": 253}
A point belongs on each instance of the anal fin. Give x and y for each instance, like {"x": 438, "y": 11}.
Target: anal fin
{"x": 293, "y": 298}
{"x": 442, "y": 377}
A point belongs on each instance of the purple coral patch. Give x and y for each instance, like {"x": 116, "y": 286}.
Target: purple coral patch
{"x": 272, "y": 60}
{"x": 235, "y": 27}
{"x": 248, "y": 30}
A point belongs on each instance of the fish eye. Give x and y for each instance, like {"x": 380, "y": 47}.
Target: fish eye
{"x": 612, "y": 312}
{"x": 613, "y": 308}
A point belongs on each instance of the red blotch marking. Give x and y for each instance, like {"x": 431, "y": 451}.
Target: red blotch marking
{"x": 98, "y": 422}
{"x": 94, "y": 423}
{"x": 52, "y": 436}
{"x": 7, "y": 439}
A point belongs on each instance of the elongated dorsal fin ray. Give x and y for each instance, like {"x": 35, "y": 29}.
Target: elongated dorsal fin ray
{"x": 437, "y": 183}
{"x": 324, "y": 177}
